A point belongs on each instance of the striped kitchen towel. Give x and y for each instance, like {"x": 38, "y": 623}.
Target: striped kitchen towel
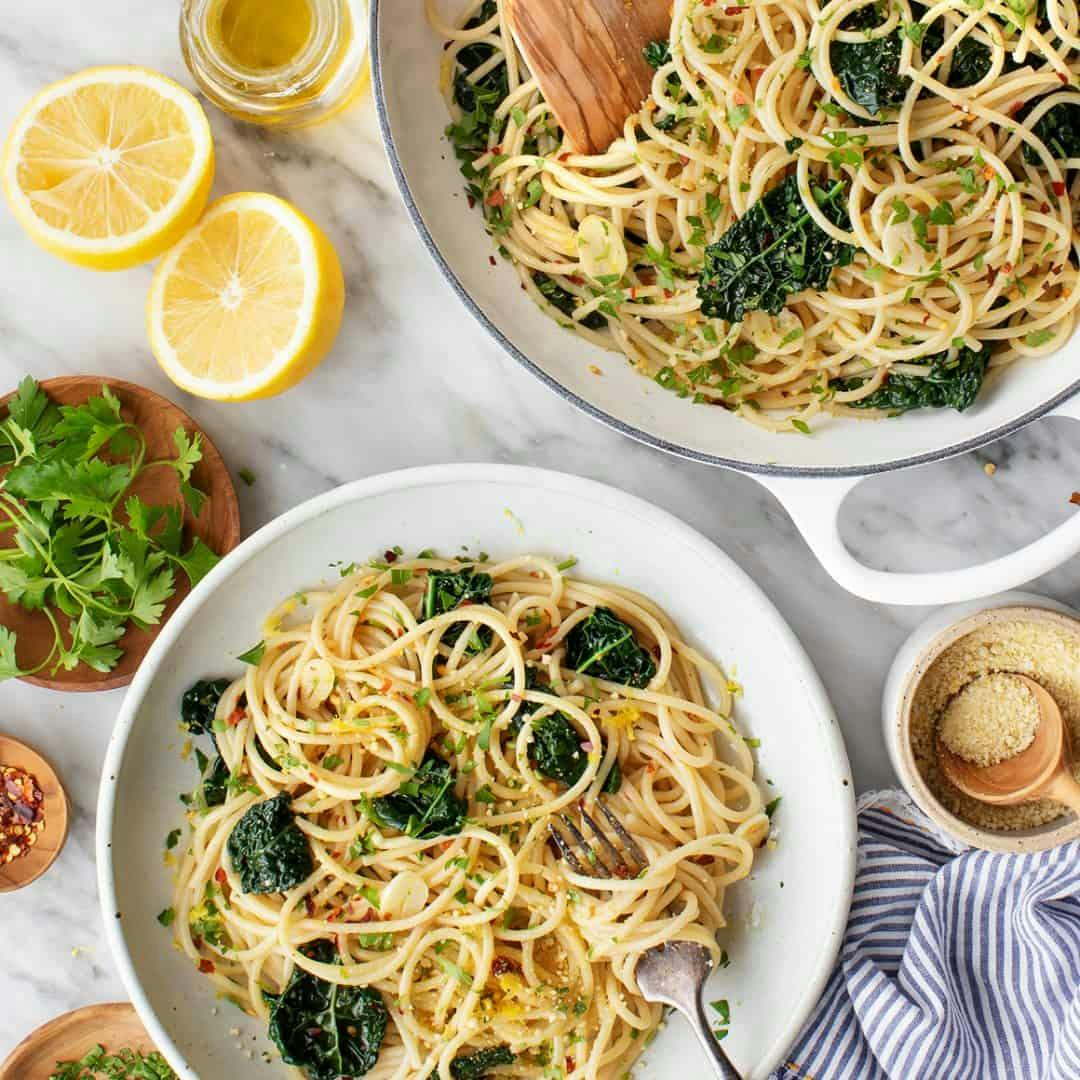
{"x": 957, "y": 964}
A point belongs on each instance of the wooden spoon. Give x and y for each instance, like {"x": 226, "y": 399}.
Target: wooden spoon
{"x": 587, "y": 57}
{"x": 69, "y": 1037}
{"x": 1042, "y": 771}
{"x": 218, "y": 525}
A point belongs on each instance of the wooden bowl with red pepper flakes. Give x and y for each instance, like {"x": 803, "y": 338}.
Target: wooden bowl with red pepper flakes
{"x": 33, "y": 815}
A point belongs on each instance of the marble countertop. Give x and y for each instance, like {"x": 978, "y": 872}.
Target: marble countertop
{"x": 467, "y": 402}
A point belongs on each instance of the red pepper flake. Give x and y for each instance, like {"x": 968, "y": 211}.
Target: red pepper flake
{"x": 1015, "y": 107}
{"x": 220, "y": 876}
{"x": 472, "y": 202}
{"x": 390, "y": 556}
{"x": 236, "y": 716}
{"x": 502, "y": 965}
{"x": 1059, "y": 187}
{"x": 668, "y": 294}
{"x": 1044, "y": 207}
{"x": 1006, "y": 268}
{"x": 386, "y": 686}
{"x": 569, "y": 1064}
{"x": 574, "y": 279}
{"x": 734, "y": 10}
{"x": 496, "y": 198}
{"x": 310, "y": 905}
{"x": 633, "y": 293}
{"x": 1063, "y": 78}
{"x": 564, "y": 157}
{"x": 22, "y": 813}
{"x": 491, "y": 259}
{"x": 206, "y": 967}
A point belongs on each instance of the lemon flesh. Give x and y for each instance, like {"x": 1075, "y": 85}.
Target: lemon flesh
{"x": 109, "y": 167}
{"x": 248, "y": 303}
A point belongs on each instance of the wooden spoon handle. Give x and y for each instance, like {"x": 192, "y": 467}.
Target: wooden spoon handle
{"x": 1063, "y": 788}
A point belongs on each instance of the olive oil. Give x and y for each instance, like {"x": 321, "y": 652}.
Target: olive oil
{"x": 276, "y": 62}
{"x": 264, "y": 35}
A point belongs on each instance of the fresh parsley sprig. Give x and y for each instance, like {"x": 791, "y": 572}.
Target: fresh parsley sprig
{"x": 75, "y": 546}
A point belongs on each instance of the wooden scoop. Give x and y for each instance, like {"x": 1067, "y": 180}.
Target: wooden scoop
{"x": 1042, "y": 771}
{"x": 587, "y": 57}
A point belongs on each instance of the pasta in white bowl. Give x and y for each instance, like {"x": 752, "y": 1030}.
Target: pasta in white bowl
{"x": 355, "y": 891}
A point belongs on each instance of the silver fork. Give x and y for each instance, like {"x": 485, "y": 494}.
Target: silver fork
{"x": 673, "y": 974}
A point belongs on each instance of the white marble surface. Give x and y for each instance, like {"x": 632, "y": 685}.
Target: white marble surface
{"x": 408, "y": 350}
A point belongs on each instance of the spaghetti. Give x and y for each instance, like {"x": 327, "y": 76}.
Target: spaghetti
{"x": 948, "y": 135}
{"x": 477, "y": 939}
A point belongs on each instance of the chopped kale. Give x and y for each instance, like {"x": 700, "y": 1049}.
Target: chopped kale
{"x": 267, "y": 848}
{"x": 477, "y": 100}
{"x": 950, "y": 384}
{"x": 556, "y": 747}
{"x": 1059, "y": 129}
{"x": 869, "y": 71}
{"x": 604, "y": 646}
{"x": 559, "y": 298}
{"x": 658, "y": 53}
{"x": 775, "y": 249}
{"x": 970, "y": 59}
{"x": 214, "y": 786}
{"x": 448, "y": 590}
{"x": 199, "y": 703}
{"x": 425, "y": 805}
{"x": 475, "y": 1066}
{"x": 329, "y": 1031}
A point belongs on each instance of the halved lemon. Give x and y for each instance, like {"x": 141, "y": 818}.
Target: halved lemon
{"x": 110, "y": 167}
{"x": 248, "y": 302}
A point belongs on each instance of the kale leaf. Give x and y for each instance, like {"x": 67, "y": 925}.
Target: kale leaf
{"x": 329, "y": 1031}
{"x": 603, "y": 645}
{"x": 775, "y": 249}
{"x": 951, "y": 383}
{"x": 565, "y": 301}
{"x": 970, "y": 59}
{"x": 451, "y": 589}
{"x": 478, "y": 100}
{"x": 869, "y": 71}
{"x": 199, "y": 703}
{"x": 475, "y": 1066}
{"x": 1059, "y": 129}
{"x": 556, "y": 747}
{"x": 214, "y": 786}
{"x": 425, "y": 805}
{"x": 267, "y": 848}
{"x": 658, "y": 53}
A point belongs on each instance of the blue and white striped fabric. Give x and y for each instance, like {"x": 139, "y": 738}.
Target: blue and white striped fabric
{"x": 956, "y": 965}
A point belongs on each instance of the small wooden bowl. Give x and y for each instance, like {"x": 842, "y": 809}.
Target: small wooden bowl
{"x": 71, "y": 1036}
{"x": 42, "y": 855}
{"x": 218, "y": 525}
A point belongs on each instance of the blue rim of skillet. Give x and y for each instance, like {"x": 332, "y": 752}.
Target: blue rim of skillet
{"x": 974, "y": 443}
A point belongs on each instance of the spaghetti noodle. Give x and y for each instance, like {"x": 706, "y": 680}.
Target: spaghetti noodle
{"x": 495, "y": 685}
{"x": 944, "y": 131}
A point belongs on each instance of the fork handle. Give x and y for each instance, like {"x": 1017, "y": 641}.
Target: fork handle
{"x": 699, "y": 1021}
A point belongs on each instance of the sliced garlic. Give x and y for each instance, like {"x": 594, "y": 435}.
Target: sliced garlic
{"x": 406, "y": 895}
{"x": 601, "y": 248}
{"x": 316, "y": 682}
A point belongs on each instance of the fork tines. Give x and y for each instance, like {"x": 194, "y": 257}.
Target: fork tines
{"x": 616, "y": 865}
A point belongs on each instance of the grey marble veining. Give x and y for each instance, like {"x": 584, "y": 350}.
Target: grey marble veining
{"x": 410, "y": 354}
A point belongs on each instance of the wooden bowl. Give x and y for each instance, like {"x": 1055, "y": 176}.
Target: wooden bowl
{"x": 218, "y": 525}
{"x": 69, "y": 1037}
{"x": 42, "y": 855}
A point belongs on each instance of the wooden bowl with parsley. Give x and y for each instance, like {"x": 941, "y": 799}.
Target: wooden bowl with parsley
{"x": 113, "y": 505}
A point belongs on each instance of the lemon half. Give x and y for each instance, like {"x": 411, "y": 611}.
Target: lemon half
{"x": 110, "y": 167}
{"x": 248, "y": 302}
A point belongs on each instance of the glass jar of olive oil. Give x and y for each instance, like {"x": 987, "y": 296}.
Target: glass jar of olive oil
{"x": 276, "y": 62}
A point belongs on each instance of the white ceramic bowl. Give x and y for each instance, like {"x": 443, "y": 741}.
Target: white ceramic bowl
{"x": 912, "y": 661}
{"x": 786, "y": 923}
{"x": 412, "y": 114}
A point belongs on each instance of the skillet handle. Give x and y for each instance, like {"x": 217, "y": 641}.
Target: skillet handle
{"x": 814, "y": 505}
